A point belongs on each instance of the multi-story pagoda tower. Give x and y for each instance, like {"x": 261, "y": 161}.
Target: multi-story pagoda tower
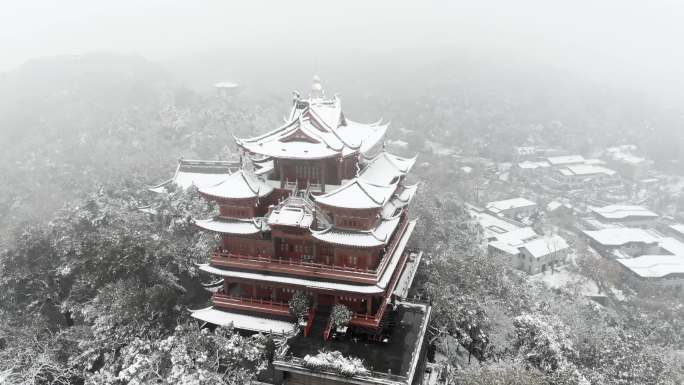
{"x": 318, "y": 207}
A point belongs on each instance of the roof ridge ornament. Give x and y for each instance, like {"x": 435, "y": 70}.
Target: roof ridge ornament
{"x": 317, "y": 91}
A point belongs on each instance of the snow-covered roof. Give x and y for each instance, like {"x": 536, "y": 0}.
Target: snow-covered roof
{"x": 386, "y": 168}
{"x": 514, "y": 203}
{"x": 402, "y": 197}
{"x": 623, "y": 212}
{"x": 242, "y": 321}
{"x": 378, "y": 236}
{"x": 533, "y": 165}
{"x": 505, "y": 247}
{"x": 289, "y": 215}
{"x": 540, "y": 247}
{"x": 586, "y": 169}
{"x": 567, "y": 159}
{"x": 316, "y": 129}
{"x": 618, "y": 236}
{"x": 198, "y": 173}
{"x": 654, "y": 266}
{"x": 678, "y": 228}
{"x": 494, "y": 225}
{"x": 233, "y": 226}
{"x": 239, "y": 185}
{"x": 358, "y": 194}
{"x": 518, "y": 237}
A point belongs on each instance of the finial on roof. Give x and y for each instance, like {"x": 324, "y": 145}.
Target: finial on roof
{"x": 316, "y": 88}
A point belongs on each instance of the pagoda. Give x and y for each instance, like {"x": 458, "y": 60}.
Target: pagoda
{"x": 317, "y": 207}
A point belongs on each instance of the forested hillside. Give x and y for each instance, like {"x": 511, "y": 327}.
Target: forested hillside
{"x": 92, "y": 291}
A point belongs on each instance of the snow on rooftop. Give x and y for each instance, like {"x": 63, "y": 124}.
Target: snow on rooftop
{"x": 678, "y": 228}
{"x": 623, "y": 212}
{"x": 494, "y": 225}
{"x": 242, "y": 321}
{"x": 376, "y": 237}
{"x": 316, "y": 129}
{"x": 232, "y": 226}
{"x": 587, "y": 169}
{"x": 198, "y": 173}
{"x": 654, "y": 266}
{"x": 291, "y": 216}
{"x": 564, "y": 160}
{"x": 618, "y": 236}
{"x": 386, "y": 168}
{"x": 239, "y": 185}
{"x": 546, "y": 245}
{"x": 358, "y": 194}
{"x": 514, "y": 203}
{"x": 533, "y": 165}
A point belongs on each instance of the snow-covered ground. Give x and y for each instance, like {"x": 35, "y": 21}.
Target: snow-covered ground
{"x": 564, "y": 278}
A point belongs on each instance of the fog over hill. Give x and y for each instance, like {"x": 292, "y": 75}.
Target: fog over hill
{"x": 98, "y": 274}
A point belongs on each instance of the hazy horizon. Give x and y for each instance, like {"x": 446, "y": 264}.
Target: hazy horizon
{"x": 629, "y": 42}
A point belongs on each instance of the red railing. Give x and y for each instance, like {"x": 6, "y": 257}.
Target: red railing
{"x": 393, "y": 245}
{"x": 377, "y": 317}
{"x": 218, "y": 253}
{"x": 255, "y": 304}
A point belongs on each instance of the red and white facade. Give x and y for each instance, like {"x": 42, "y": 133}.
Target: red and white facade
{"x": 318, "y": 207}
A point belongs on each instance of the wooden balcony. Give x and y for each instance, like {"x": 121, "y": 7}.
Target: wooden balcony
{"x": 221, "y": 258}
{"x": 373, "y": 320}
{"x": 278, "y": 308}
{"x": 293, "y": 267}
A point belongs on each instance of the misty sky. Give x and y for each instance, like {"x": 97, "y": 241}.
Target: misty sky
{"x": 628, "y": 38}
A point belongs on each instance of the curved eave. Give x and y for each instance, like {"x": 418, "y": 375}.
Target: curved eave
{"x": 333, "y": 200}
{"x": 293, "y": 281}
{"x": 362, "y": 239}
{"x": 241, "y": 321}
{"x": 344, "y": 238}
{"x": 236, "y": 227}
{"x": 218, "y": 191}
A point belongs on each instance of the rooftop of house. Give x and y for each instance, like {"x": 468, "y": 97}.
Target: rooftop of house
{"x": 494, "y": 225}
{"x": 534, "y": 165}
{"x": 543, "y": 246}
{"x": 565, "y": 160}
{"x": 585, "y": 170}
{"x": 654, "y": 266}
{"x": 623, "y": 212}
{"x": 618, "y": 236}
{"x": 514, "y": 203}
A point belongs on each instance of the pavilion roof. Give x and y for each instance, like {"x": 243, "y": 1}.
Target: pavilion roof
{"x": 378, "y": 236}
{"x": 316, "y": 129}
{"x": 198, "y": 173}
{"x": 233, "y": 226}
{"x": 239, "y": 185}
{"x": 402, "y": 198}
{"x": 386, "y": 168}
{"x": 358, "y": 194}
